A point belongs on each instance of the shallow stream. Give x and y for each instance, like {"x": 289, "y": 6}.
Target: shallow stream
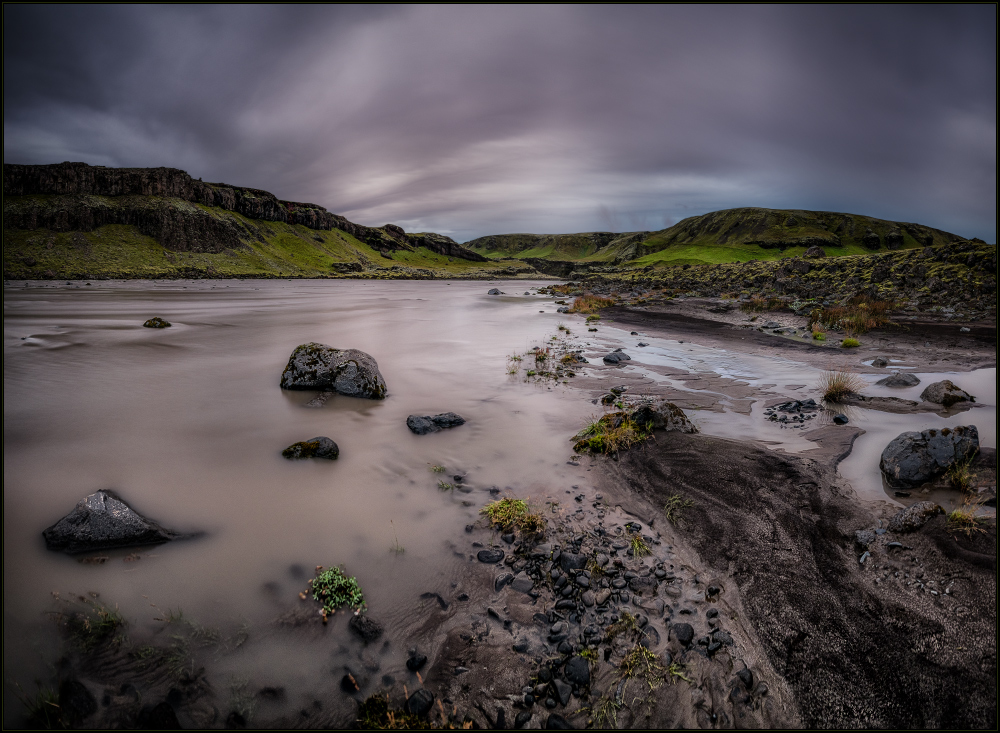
{"x": 187, "y": 424}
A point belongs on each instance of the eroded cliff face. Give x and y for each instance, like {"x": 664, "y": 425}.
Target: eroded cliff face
{"x": 178, "y": 211}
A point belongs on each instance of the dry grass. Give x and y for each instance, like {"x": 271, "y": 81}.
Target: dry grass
{"x": 588, "y": 303}
{"x": 760, "y": 304}
{"x": 964, "y": 518}
{"x": 610, "y": 434}
{"x": 510, "y": 513}
{"x": 959, "y": 476}
{"x": 859, "y": 315}
{"x": 838, "y": 385}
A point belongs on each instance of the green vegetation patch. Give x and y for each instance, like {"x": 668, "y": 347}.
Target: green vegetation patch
{"x": 511, "y": 513}
{"x": 610, "y": 433}
{"x": 335, "y": 589}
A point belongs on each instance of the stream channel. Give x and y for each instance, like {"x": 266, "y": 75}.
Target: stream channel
{"x": 188, "y": 423}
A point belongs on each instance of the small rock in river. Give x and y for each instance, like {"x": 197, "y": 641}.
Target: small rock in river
{"x": 491, "y": 557}
{"x": 366, "y": 627}
{"x": 420, "y": 702}
{"x": 840, "y": 419}
{"x": 684, "y": 633}
{"x": 321, "y": 447}
{"x": 880, "y": 362}
{"x": 103, "y": 521}
{"x": 157, "y": 322}
{"x": 899, "y": 379}
{"x": 421, "y": 425}
{"x": 416, "y": 662}
{"x": 577, "y": 671}
{"x": 945, "y": 393}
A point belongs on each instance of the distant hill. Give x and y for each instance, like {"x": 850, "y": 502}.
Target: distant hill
{"x": 732, "y": 235}
{"x": 74, "y": 220}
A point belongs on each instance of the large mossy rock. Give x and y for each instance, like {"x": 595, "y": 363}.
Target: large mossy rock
{"x": 913, "y": 458}
{"x": 423, "y": 424}
{"x": 945, "y": 393}
{"x": 663, "y": 415}
{"x": 347, "y": 371}
{"x": 103, "y": 521}
{"x": 320, "y": 447}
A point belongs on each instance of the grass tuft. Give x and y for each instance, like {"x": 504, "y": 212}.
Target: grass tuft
{"x": 639, "y": 546}
{"x": 674, "y": 506}
{"x": 510, "y": 513}
{"x": 964, "y": 519}
{"x": 850, "y": 343}
{"x": 837, "y": 385}
{"x": 959, "y": 476}
{"x": 610, "y": 434}
{"x": 334, "y": 588}
{"x": 588, "y": 303}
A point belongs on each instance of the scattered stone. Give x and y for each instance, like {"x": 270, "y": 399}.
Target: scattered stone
{"x": 815, "y": 251}
{"x": 945, "y": 393}
{"x": 899, "y": 379}
{"x": 347, "y": 371}
{"x": 772, "y": 324}
{"x": 840, "y": 419}
{"x": 416, "y": 662}
{"x": 572, "y": 561}
{"x": 349, "y": 684}
{"x": 684, "y": 633}
{"x": 864, "y": 537}
{"x": 562, "y": 689}
{"x": 914, "y": 517}
{"x": 366, "y": 627}
{"x": 421, "y": 425}
{"x": 321, "y": 447}
{"x": 494, "y": 291}
{"x": 490, "y": 557}
{"x": 602, "y": 596}
{"x": 157, "y": 322}
{"x": 522, "y": 582}
{"x": 557, "y": 722}
{"x": 880, "y": 362}
{"x": 663, "y": 415}
{"x": 577, "y": 671}
{"x": 913, "y": 458}
{"x": 522, "y": 719}
{"x": 616, "y": 357}
{"x": 103, "y": 521}
{"x": 76, "y": 702}
{"x": 420, "y": 702}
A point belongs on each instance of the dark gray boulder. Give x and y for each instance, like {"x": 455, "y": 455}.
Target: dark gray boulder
{"x": 913, "y": 458}
{"x": 494, "y": 291}
{"x": 321, "y": 447}
{"x": 157, "y": 322}
{"x": 900, "y": 379}
{"x": 347, "y": 371}
{"x": 880, "y": 362}
{"x": 815, "y": 251}
{"x": 423, "y": 424}
{"x": 420, "y": 702}
{"x": 616, "y": 357}
{"x": 663, "y": 415}
{"x": 945, "y": 393}
{"x": 684, "y": 633}
{"x": 366, "y": 627}
{"x": 914, "y": 517}
{"x": 103, "y": 521}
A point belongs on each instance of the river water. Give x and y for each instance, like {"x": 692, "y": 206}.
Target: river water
{"x": 187, "y": 424}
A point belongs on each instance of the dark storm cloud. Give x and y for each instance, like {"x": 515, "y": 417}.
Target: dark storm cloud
{"x": 477, "y": 120}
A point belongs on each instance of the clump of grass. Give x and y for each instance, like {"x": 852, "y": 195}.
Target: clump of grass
{"x": 676, "y": 671}
{"x": 94, "y": 625}
{"x": 592, "y": 318}
{"x": 376, "y": 713}
{"x": 641, "y": 663}
{"x": 837, "y": 385}
{"x": 759, "y": 304}
{"x": 859, "y": 315}
{"x": 588, "y": 303}
{"x": 818, "y": 333}
{"x": 963, "y": 519}
{"x": 606, "y": 713}
{"x": 639, "y": 546}
{"x": 334, "y": 588}
{"x": 959, "y": 476}
{"x": 563, "y": 328}
{"x": 510, "y": 513}
{"x": 850, "y": 343}
{"x": 44, "y": 712}
{"x": 626, "y": 624}
{"x": 397, "y": 548}
{"x": 610, "y": 434}
{"x": 437, "y": 469}
{"x": 674, "y": 506}
{"x": 541, "y": 355}
{"x": 445, "y": 486}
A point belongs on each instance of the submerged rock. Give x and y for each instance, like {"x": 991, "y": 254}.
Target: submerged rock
{"x": 494, "y": 291}
{"x": 945, "y": 393}
{"x": 616, "y": 357}
{"x": 321, "y": 447}
{"x": 347, "y": 371}
{"x": 899, "y": 379}
{"x": 103, "y": 521}
{"x": 157, "y": 322}
{"x": 880, "y": 362}
{"x": 421, "y": 425}
{"x": 913, "y": 458}
{"x": 366, "y": 627}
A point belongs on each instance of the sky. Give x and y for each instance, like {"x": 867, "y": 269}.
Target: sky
{"x": 476, "y": 120}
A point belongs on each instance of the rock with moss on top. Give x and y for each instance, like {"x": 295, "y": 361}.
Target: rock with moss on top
{"x": 157, "y": 322}
{"x": 321, "y": 447}
{"x": 346, "y": 371}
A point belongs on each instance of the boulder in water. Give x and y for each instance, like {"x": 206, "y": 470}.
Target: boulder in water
{"x": 662, "y": 415}
{"x": 321, "y": 447}
{"x": 103, "y": 521}
{"x": 913, "y": 458}
{"x": 423, "y": 424}
{"x": 157, "y": 322}
{"x": 321, "y": 367}
{"x": 945, "y": 393}
{"x": 899, "y": 379}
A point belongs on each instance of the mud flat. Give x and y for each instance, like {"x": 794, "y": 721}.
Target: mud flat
{"x": 730, "y": 578}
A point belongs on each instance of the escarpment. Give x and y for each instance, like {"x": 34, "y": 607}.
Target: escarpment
{"x": 178, "y": 211}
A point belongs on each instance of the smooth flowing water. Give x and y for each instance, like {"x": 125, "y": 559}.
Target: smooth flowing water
{"x": 187, "y": 424}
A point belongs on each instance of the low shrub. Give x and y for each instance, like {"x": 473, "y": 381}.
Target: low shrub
{"x": 510, "y": 513}
{"x": 850, "y": 343}
{"x": 588, "y": 303}
{"x": 334, "y": 589}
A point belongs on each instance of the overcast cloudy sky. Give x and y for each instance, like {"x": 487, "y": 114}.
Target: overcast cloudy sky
{"x": 482, "y": 120}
